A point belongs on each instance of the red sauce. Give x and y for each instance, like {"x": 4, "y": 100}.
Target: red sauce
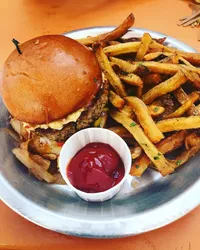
{"x": 97, "y": 167}
{"x": 60, "y": 143}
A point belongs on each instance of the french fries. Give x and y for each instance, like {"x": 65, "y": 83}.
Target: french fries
{"x": 43, "y": 146}
{"x": 139, "y": 92}
{"x": 165, "y": 87}
{"x": 116, "y": 100}
{"x": 182, "y": 97}
{"x": 185, "y": 62}
{"x": 154, "y": 55}
{"x": 155, "y": 110}
{"x": 121, "y": 131}
{"x": 135, "y": 39}
{"x": 25, "y": 157}
{"x": 165, "y": 167}
{"x": 165, "y": 146}
{"x": 132, "y": 79}
{"x": 152, "y": 79}
{"x": 45, "y": 164}
{"x": 186, "y": 155}
{"x": 122, "y": 48}
{"x": 144, "y": 118}
{"x": 181, "y": 123}
{"x": 144, "y": 46}
{"x": 186, "y": 105}
{"x": 192, "y": 140}
{"x": 128, "y": 111}
{"x": 113, "y": 79}
{"x": 126, "y": 66}
{"x": 110, "y": 36}
{"x": 135, "y": 152}
{"x": 192, "y": 76}
{"x": 19, "y": 128}
{"x": 165, "y": 68}
{"x": 191, "y": 57}
{"x": 58, "y": 179}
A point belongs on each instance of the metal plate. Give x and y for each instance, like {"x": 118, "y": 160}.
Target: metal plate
{"x": 155, "y": 202}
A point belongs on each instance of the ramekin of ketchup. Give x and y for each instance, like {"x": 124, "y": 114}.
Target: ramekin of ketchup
{"x": 95, "y": 162}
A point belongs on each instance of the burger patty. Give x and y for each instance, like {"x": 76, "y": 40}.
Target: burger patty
{"x": 85, "y": 120}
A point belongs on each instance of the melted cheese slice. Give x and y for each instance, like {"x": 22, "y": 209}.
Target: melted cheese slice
{"x": 58, "y": 125}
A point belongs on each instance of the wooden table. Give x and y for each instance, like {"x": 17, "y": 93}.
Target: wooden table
{"x": 23, "y": 20}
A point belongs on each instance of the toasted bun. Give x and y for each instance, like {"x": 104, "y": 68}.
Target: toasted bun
{"x": 53, "y": 77}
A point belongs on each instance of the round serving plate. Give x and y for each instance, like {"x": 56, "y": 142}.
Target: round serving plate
{"x": 153, "y": 202}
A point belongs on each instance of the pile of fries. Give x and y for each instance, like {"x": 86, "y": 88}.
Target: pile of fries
{"x": 154, "y": 97}
{"x": 153, "y": 104}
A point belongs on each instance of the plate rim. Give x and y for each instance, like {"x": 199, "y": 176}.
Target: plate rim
{"x": 13, "y": 199}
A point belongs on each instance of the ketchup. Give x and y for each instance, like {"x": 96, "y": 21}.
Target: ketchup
{"x": 97, "y": 167}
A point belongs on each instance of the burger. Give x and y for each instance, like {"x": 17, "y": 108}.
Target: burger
{"x": 52, "y": 88}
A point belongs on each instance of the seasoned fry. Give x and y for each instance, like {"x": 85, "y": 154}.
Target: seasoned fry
{"x": 108, "y": 71}
{"x": 108, "y": 43}
{"x": 175, "y": 58}
{"x": 181, "y": 123}
{"x": 135, "y": 39}
{"x": 126, "y": 66}
{"x": 191, "y": 57}
{"x": 144, "y": 46}
{"x": 155, "y": 110}
{"x": 135, "y": 152}
{"x": 154, "y": 55}
{"x": 161, "y": 68}
{"x": 144, "y": 118}
{"x": 121, "y": 131}
{"x": 112, "y": 35}
{"x": 24, "y": 156}
{"x": 139, "y": 92}
{"x": 186, "y": 105}
{"x": 19, "y": 128}
{"x": 165, "y": 87}
{"x": 182, "y": 97}
{"x": 122, "y": 48}
{"x": 128, "y": 111}
{"x": 132, "y": 79}
{"x": 50, "y": 157}
{"x": 165, "y": 146}
{"x": 186, "y": 155}
{"x": 112, "y": 43}
{"x": 192, "y": 140}
{"x": 192, "y": 76}
{"x": 43, "y": 146}
{"x": 157, "y": 47}
{"x": 45, "y": 164}
{"x": 152, "y": 79}
{"x": 185, "y": 62}
{"x": 164, "y": 68}
{"x": 165, "y": 167}
{"x": 58, "y": 179}
{"x": 166, "y": 60}
{"x": 116, "y": 100}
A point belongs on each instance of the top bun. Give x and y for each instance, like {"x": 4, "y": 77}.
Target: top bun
{"x": 53, "y": 77}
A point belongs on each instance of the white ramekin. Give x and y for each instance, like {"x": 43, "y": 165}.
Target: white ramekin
{"x": 81, "y": 139}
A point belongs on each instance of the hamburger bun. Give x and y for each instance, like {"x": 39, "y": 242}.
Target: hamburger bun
{"x": 52, "y": 78}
